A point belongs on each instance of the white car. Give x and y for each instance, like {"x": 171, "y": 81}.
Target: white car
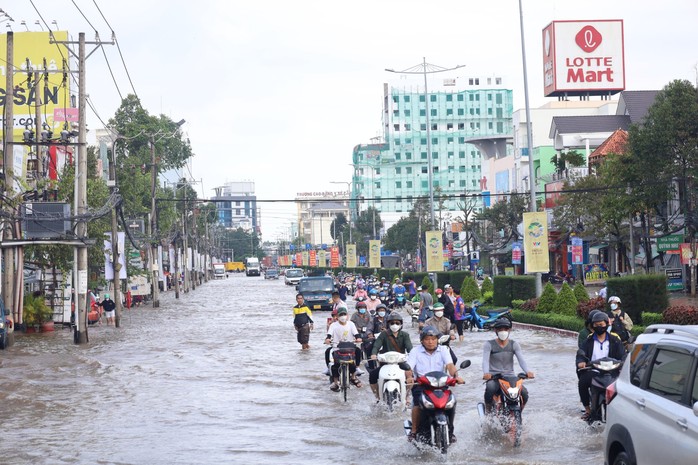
{"x": 652, "y": 415}
{"x": 293, "y": 276}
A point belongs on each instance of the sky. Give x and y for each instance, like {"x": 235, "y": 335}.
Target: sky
{"x": 280, "y": 92}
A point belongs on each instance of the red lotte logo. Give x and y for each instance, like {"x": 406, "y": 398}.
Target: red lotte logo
{"x": 588, "y": 38}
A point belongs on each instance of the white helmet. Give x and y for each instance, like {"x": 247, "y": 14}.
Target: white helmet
{"x": 614, "y": 298}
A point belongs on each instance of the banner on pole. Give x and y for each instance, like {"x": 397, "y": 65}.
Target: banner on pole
{"x": 536, "y": 242}
{"x": 374, "y": 254}
{"x": 312, "y": 258}
{"x": 334, "y": 257}
{"x": 306, "y": 259}
{"x": 434, "y": 251}
{"x": 351, "y": 255}
{"x": 322, "y": 258}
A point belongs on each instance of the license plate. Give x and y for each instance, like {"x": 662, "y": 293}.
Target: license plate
{"x": 315, "y": 307}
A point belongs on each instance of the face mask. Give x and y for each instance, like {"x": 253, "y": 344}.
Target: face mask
{"x": 599, "y": 330}
{"x": 395, "y": 328}
{"x": 381, "y": 314}
{"x": 362, "y": 310}
{"x": 373, "y": 297}
{"x": 614, "y": 306}
{"x": 503, "y": 335}
{"x": 343, "y": 319}
{"x": 438, "y": 314}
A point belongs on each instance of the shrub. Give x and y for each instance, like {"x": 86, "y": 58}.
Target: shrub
{"x": 640, "y": 293}
{"x": 517, "y": 304}
{"x": 523, "y": 287}
{"x": 568, "y": 322}
{"x": 651, "y": 318}
{"x": 546, "y": 304}
{"x": 454, "y": 278}
{"x": 469, "y": 290}
{"x": 502, "y": 291}
{"x": 427, "y": 282}
{"x": 580, "y": 292}
{"x": 530, "y": 305}
{"x": 681, "y": 315}
{"x": 487, "y": 297}
{"x": 566, "y": 302}
{"x": 418, "y": 277}
{"x": 584, "y": 308}
{"x": 487, "y": 286}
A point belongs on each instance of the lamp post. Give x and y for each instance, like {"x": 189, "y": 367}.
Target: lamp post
{"x": 425, "y": 68}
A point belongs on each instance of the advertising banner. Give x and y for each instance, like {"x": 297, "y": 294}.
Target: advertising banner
{"x": 516, "y": 253}
{"x": 577, "y": 250}
{"x": 322, "y": 258}
{"x": 334, "y": 257}
{"x": 306, "y": 259}
{"x": 374, "y": 254}
{"x": 351, "y": 255}
{"x": 299, "y": 259}
{"x": 312, "y": 258}
{"x": 674, "y": 279}
{"x": 686, "y": 254}
{"x": 595, "y": 273}
{"x": 109, "y": 260}
{"x": 536, "y": 242}
{"x": 434, "y": 251}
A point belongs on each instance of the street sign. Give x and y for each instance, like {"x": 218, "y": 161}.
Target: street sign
{"x": 670, "y": 242}
{"x": 577, "y": 250}
{"x": 516, "y": 253}
{"x": 674, "y": 277}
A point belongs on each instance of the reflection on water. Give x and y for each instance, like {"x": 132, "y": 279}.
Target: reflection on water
{"x": 217, "y": 377}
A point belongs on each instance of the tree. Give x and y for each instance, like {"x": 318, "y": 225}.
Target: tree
{"x": 505, "y": 216}
{"x": 567, "y": 159}
{"x": 580, "y": 292}
{"x": 469, "y": 290}
{"x": 338, "y": 226}
{"x": 487, "y": 285}
{"x": 546, "y": 304}
{"x": 565, "y": 302}
{"x": 364, "y": 226}
{"x": 402, "y": 236}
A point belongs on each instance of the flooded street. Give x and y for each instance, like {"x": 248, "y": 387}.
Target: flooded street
{"x": 217, "y": 377}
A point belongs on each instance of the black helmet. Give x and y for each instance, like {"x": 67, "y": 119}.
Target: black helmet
{"x": 382, "y": 306}
{"x": 394, "y": 316}
{"x": 599, "y": 316}
{"x": 591, "y": 315}
{"x": 361, "y": 304}
{"x": 429, "y": 331}
{"x": 502, "y": 323}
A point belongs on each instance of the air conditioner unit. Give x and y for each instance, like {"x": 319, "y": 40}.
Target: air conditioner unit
{"x": 46, "y": 220}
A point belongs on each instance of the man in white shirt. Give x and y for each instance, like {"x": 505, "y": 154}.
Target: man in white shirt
{"x": 342, "y": 332}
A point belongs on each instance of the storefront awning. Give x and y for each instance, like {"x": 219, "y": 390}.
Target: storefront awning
{"x": 595, "y": 249}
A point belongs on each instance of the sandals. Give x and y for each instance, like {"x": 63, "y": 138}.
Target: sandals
{"x": 355, "y": 381}
{"x": 334, "y": 387}
{"x": 411, "y": 437}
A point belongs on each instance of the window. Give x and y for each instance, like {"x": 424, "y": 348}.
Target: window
{"x": 641, "y": 362}
{"x": 407, "y": 127}
{"x": 408, "y": 170}
{"x": 422, "y": 113}
{"x": 669, "y": 374}
{"x": 477, "y": 111}
{"x": 434, "y": 140}
{"x": 489, "y": 111}
{"x": 461, "y": 154}
{"x": 408, "y": 113}
{"x": 489, "y": 97}
{"x": 397, "y": 141}
{"x": 378, "y": 185}
{"x": 433, "y": 112}
{"x": 398, "y": 170}
{"x": 461, "y": 140}
{"x": 471, "y": 81}
{"x": 499, "y": 99}
{"x": 500, "y": 113}
{"x": 425, "y": 169}
{"x": 460, "y": 97}
{"x": 500, "y": 127}
{"x": 423, "y": 141}
{"x": 477, "y": 97}
{"x": 409, "y": 184}
{"x": 435, "y": 169}
{"x": 489, "y": 126}
{"x": 435, "y": 183}
{"x": 450, "y": 154}
{"x": 449, "y": 140}
{"x": 423, "y": 127}
{"x": 406, "y": 98}
{"x": 451, "y": 183}
{"x": 408, "y": 155}
{"x": 434, "y": 127}
{"x": 425, "y": 184}
{"x": 472, "y": 182}
{"x": 471, "y": 111}
{"x": 432, "y": 98}
{"x": 424, "y": 155}
{"x": 395, "y": 98}
{"x": 434, "y": 155}
{"x": 398, "y": 184}
{"x": 489, "y": 81}
{"x": 449, "y": 97}
{"x": 378, "y": 171}
{"x": 451, "y": 169}
{"x": 461, "y": 126}
{"x": 397, "y": 156}
{"x": 498, "y": 81}
{"x": 471, "y": 97}
{"x": 408, "y": 140}
{"x": 398, "y": 198}
{"x": 396, "y": 113}
{"x": 449, "y": 112}
{"x": 396, "y": 127}
{"x": 461, "y": 169}
{"x": 462, "y": 183}
{"x": 421, "y": 98}
{"x": 461, "y": 112}
{"x": 238, "y": 211}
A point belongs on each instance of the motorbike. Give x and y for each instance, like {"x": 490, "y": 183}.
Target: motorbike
{"x": 399, "y": 301}
{"x": 508, "y": 405}
{"x": 605, "y": 372}
{"x": 366, "y": 346}
{"x": 473, "y": 320}
{"x": 438, "y": 401}
{"x": 413, "y": 311}
{"x": 391, "y": 380}
{"x": 384, "y": 298}
{"x": 344, "y": 354}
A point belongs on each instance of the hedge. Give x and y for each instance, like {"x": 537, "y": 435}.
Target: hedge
{"x": 508, "y": 288}
{"x": 546, "y": 304}
{"x": 502, "y": 290}
{"x": 571, "y": 323}
{"x": 649, "y": 318}
{"x": 454, "y": 278}
{"x": 640, "y": 293}
{"x": 566, "y": 302}
{"x": 418, "y": 277}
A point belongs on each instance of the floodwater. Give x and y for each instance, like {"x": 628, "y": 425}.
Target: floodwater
{"x": 217, "y": 377}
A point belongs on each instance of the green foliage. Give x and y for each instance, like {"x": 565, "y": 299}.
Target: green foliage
{"x": 530, "y": 305}
{"x": 338, "y": 227}
{"x": 35, "y": 311}
{"x": 651, "y": 318}
{"x": 551, "y": 320}
{"x": 487, "y": 297}
{"x": 640, "y": 293}
{"x": 566, "y": 302}
{"x": 681, "y": 315}
{"x": 402, "y": 236}
{"x": 469, "y": 290}
{"x": 506, "y": 214}
{"x": 584, "y": 308}
{"x": 487, "y": 285}
{"x": 427, "y": 282}
{"x": 417, "y": 277}
{"x": 580, "y": 292}
{"x": 502, "y": 290}
{"x": 454, "y": 278}
{"x": 523, "y": 287}
{"x": 546, "y": 304}
{"x": 517, "y": 304}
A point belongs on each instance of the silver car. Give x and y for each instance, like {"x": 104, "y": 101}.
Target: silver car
{"x": 652, "y": 415}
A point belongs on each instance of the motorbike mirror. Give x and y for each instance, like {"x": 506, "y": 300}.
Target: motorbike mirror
{"x": 444, "y": 339}
{"x": 404, "y": 366}
{"x": 465, "y": 364}
{"x": 296, "y": 287}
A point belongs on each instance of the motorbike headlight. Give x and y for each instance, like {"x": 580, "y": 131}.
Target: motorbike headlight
{"x": 513, "y": 392}
{"x": 426, "y": 402}
{"x": 2, "y": 324}
{"x": 451, "y": 402}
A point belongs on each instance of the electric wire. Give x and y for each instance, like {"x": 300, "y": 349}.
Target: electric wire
{"x": 83, "y": 15}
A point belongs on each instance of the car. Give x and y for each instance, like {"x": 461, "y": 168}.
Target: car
{"x": 317, "y": 292}
{"x": 271, "y": 273}
{"x": 293, "y": 276}
{"x": 652, "y": 415}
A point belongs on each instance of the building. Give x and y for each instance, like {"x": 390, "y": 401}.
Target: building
{"x": 464, "y": 113}
{"x": 236, "y": 204}
{"x": 316, "y": 212}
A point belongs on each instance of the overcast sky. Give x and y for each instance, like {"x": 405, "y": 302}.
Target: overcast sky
{"x": 279, "y": 92}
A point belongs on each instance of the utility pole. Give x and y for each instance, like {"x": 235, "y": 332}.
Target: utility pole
{"x": 154, "y": 265}
{"x": 175, "y": 269}
{"x": 185, "y": 244}
{"x": 8, "y": 171}
{"x": 116, "y": 281}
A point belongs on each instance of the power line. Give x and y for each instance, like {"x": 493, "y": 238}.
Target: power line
{"x": 112, "y": 74}
{"x": 83, "y": 15}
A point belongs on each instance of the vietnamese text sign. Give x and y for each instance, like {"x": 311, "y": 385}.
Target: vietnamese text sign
{"x": 322, "y": 258}
{"x": 516, "y": 253}
{"x": 595, "y": 273}
{"x": 674, "y": 279}
{"x": 312, "y": 258}
{"x": 299, "y": 259}
{"x": 374, "y": 254}
{"x": 334, "y": 257}
{"x": 351, "y": 255}
{"x": 670, "y": 242}
{"x": 577, "y": 250}
{"x": 306, "y": 258}
{"x": 536, "y": 242}
{"x": 434, "y": 251}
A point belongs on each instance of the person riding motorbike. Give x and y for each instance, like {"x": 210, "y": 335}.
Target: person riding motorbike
{"x": 425, "y": 358}
{"x": 447, "y": 303}
{"x": 426, "y": 301}
{"x": 379, "y": 319}
{"x": 443, "y": 324}
{"x": 342, "y": 330}
{"x": 597, "y": 345}
{"x": 360, "y": 292}
{"x": 372, "y": 302}
{"x": 337, "y": 303}
{"x": 392, "y": 338}
{"x": 587, "y": 330}
{"x": 361, "y": 318}
{"x": 622, "y": 324}
{"x": 498, "y": 358}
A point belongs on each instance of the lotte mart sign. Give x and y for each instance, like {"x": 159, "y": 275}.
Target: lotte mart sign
{"x": 583, "y": 57}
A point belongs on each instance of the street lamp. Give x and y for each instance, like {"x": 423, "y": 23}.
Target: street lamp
{"x": 425, "y": 68}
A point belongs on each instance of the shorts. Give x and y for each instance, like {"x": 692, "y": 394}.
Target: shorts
{"x": 110, "y": 314}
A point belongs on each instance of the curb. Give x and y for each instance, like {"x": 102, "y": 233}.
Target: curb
{"x": 561, "y": 332}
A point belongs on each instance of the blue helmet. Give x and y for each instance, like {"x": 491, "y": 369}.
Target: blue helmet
{"x": 373, "y": 292}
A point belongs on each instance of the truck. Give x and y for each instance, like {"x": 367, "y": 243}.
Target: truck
{"x": 234, "y": 267}
{"x": 218, "y": 270}
{"x": 252, "y": 266}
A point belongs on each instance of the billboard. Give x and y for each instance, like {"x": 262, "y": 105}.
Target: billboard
{"x": 583, "y": 58}
{"x": 374, "y": 253}
{"x": 536, "y": 256}
{"x": 434, "y": 251}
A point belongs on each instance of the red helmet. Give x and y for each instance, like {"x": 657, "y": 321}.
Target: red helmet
{"x": 334, "y": 312}
{"x": 439, "y": 291}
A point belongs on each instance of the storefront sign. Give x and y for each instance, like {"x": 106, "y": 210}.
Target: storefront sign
{"x": 595, "y": 273}
{"x": 669, "y": 243}
{"x": 674, "y": 277}
{"x": 516, "y": 253}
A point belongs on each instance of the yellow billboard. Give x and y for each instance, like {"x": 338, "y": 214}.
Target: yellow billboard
{"x": 374, "y": 254}
{"x": 351, "y": 255}
{"x": 305, "y": 258}
{"x": 535, "y": 225}
{"x": 435, "y": 252}
{"x": 322, "y": 258}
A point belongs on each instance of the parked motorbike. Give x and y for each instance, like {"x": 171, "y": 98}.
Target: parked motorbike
{"x": 438, "y": 401}
{"x": 605, "y": 372}
{"x": 473, "y": 320}
{"x": 391, "y": 380}
{"x": 508, "y": 405}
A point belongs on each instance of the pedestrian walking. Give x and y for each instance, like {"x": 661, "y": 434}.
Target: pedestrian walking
{"x": 109, "y": 307}
{"x": 302, "y": 321}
